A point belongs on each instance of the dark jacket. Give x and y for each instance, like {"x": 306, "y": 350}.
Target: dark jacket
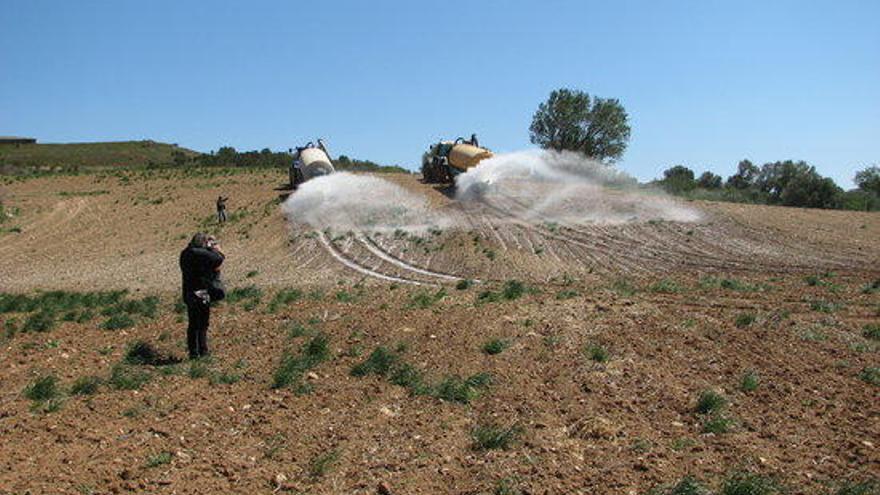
{"x": 198, "y": 266}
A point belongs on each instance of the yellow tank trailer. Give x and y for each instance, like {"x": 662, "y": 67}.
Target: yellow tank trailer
{"x": 310, "y": 161}
{"x": 446, "y": 159}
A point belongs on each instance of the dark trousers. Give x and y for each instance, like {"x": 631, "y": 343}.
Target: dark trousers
{"x": 197, "y": 332}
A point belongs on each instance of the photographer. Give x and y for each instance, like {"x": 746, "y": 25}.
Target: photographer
{"x": 200, "y": 266}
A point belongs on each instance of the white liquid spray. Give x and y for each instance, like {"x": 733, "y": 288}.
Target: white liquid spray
{"x": 547, "y": 186}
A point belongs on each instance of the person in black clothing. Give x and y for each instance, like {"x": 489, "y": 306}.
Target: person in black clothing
{"x": 199, "y": 264}
{"x": 221, "y": 209}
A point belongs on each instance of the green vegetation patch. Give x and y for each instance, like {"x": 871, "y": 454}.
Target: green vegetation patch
{"x": 425, "y": 299}
{"x": 86, "y": 385}
{"x": 495, "y": 346}
{"x": 283, "y": 298}
{"x": 452, "y": 388}
{"x": 495, "y": 437}
{"x": 293, "y": 366}
{"x": 510, "y": 291}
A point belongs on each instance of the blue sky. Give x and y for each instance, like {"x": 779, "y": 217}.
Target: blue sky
{"x": 705, "y": 83}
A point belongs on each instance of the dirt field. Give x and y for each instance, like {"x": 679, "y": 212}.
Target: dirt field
{"x": 604, "y": 348}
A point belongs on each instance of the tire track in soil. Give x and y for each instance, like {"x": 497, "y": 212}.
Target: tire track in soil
{"x": 374, "y": 248}
{"x": 662, "y": 257}
{"x": 341, "y": 257}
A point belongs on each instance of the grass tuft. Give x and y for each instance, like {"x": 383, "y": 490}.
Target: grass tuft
{"x": 292, "y": 367}
{"x": 321, "y": 465}
{"x": 124, "y": 377}
{"x": 710, "y": 402}
{"x": 597, "y": 353}
{"x": 425, "y": 299}
{"x": 43, "y": 389}
{"x": 750, "y": 381}
{"x": 283, "y": 298}
{"x": 866, "y": 487}
{"x": 750, "y": 484}
{"x": 495, "y": 437}
{"x": 870, "y": 375}
{"x": 118, "y": 322}
{"x": 379, "y": 362}
{"x": 744, "y": 320}
{"x": 159, "y": 459}
{"x": 686, "y": 486}
{"x": 872, "y": 331}
{"x": 666, "y": 286}
{"x": 495, "y": 346}
{"x": 85, "y": 385}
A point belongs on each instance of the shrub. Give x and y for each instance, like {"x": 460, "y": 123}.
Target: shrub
{"x": 43, "y": 389}
{"x": 85, "y": 385}
{"x": 464, "y": 284}
{"x": 495, "y": 346}
{"x": 710, "y": 402}
{"x": 492, "y": 436}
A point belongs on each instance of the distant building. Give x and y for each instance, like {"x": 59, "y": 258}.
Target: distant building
{"x": 17, "y": 140}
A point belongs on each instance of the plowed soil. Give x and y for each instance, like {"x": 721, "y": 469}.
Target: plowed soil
{"x": 663, "y": 299}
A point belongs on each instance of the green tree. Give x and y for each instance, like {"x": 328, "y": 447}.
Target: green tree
{"x": 678, "y": 179}
{"x": 745, "y": 176}
{"x": 868, "y": 179}
{"x": 792, "y": 183}
{"x": 709, "y": 181}
{"x": 572, "y": 120}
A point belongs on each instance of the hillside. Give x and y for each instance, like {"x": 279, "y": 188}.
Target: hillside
{"x": 494, "y": 356}
{"x": 90, "y": 155}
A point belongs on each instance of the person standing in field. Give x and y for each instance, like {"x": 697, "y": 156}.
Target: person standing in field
{"x": 221, "y": 209}
{"x": 200, "y": 266}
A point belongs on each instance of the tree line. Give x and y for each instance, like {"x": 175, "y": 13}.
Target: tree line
{"x": 598, "y": 128}
{"x": 227, "y": 156}
{"x": 785, "y": 183}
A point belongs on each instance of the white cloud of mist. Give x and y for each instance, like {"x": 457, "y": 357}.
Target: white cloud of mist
{"x": 343, "y": 201}
{"x": 547, "y": 186}
{"x": 532, "y": 186}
